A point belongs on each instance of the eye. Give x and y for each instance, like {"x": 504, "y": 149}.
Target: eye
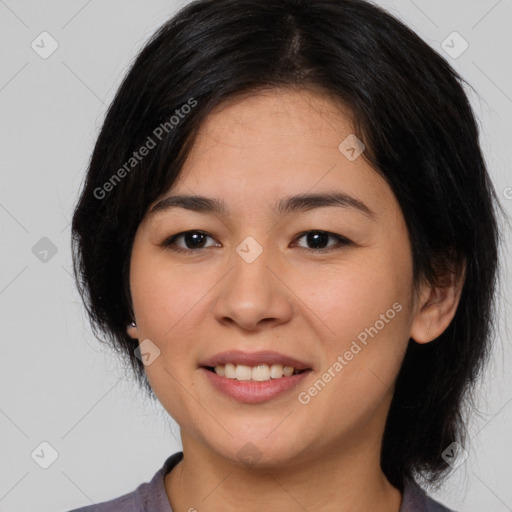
{"x": 193, "y": 240}
{"x": 320, "y": 239}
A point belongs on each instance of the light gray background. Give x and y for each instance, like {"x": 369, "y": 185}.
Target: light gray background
{"x": 58, "y": 384}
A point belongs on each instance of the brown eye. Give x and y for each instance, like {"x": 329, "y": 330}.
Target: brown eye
{"x": 318, "y": 240}
{"x": 192, "y": 240}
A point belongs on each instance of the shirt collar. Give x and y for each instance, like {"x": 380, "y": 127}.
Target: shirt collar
{"x": 153, "y": 498}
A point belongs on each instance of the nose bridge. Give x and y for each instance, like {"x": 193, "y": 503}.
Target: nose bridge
{"x": 251, "y": 292}
{"x": 250, "y": 279}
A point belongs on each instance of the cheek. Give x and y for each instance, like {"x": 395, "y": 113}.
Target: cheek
{"x": 163, "y": 295}
{"x": 170, "y": 303}
{"x": 366, "y": 307}
{"x": 369, "y": 318}
{"x": 354, "y": 297}
{"x": 167, "y": 304}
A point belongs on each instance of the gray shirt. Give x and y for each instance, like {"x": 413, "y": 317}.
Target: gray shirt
{"x": 151, "y": 496}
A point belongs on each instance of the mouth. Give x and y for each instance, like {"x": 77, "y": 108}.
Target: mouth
{"x": 254, "y": 377}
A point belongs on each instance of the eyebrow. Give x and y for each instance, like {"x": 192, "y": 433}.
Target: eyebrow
{"x": 296, "y": 203}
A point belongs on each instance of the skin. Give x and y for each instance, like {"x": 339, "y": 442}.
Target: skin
{"x": 319, "y": 456}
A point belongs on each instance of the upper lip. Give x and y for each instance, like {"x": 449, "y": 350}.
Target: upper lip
{"x": 254, "y": 358}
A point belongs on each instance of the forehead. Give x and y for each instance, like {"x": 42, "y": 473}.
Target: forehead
{"x": 255, "y": 149}
{"x": 277, "y": 119}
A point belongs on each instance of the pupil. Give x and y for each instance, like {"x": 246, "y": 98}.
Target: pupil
{"x": 317, "y": 239}
{"x": 195, "y": 237}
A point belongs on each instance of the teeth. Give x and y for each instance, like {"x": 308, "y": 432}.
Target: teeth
{"x": 287, "y": 371}
{"x": 243, "y": 372}
{"x": 276, "y": 371}
{"x": 259, "y": 373}
{"x": 229, "y": 371}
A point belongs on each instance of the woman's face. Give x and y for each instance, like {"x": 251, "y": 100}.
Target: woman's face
{"x": 321, "y": 285}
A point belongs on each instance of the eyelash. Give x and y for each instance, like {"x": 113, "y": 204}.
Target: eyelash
{"x": 169, "y": 242}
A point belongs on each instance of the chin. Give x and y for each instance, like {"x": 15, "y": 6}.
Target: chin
{"x": 255, "y": 449}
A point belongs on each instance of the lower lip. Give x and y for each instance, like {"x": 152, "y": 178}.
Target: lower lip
{"x": 252, "y": 392}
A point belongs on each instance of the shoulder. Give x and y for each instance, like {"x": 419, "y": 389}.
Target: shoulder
{"x": 147, "y": 497}
{"x": 416, "y": 500}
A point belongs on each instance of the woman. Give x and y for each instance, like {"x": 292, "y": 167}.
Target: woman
{"x": 288, "y": 230}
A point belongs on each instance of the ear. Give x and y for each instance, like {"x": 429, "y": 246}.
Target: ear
{"x": 437, "y": 305}
{"x": 132, "y": 331}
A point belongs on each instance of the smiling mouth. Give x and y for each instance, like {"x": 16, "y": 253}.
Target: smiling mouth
{"x": 259, "y": 373}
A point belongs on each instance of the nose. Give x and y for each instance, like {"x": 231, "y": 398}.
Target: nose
{"x": 254, "y": 295}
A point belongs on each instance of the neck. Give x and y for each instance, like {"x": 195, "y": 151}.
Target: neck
{"x": 347, "y": 479}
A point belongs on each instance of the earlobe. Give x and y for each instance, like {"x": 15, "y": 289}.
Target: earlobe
{"x": 132, "y": 331}
{"x": 421, "y": 329}
{"x": 437, "y": 308}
